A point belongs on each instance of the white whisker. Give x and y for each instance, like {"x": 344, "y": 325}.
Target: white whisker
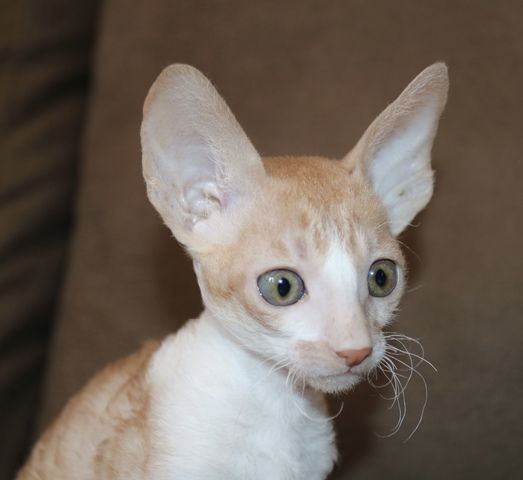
{"x": 398, "y": 366}
{"x": 422, "y": 413}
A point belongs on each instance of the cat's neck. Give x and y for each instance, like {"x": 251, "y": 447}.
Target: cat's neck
{"x": 232, "y": 349}
{"x": 241, "y": 403}
{"x": 253, "y": 370}
{"x": 215, "y": 368}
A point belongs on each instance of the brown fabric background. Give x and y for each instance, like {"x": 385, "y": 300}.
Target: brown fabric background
{"x": 308, "y": 77}
{"x": 44, "y": 63}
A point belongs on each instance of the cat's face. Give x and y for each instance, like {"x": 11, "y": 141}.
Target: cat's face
{"x": 296, "y": 257}
{"x": 294, "y": 285}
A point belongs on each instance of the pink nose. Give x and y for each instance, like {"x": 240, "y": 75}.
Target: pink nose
{"x": 354, "y": 357}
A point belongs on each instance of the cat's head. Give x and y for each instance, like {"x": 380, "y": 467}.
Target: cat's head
{"x": 296, "y": 257}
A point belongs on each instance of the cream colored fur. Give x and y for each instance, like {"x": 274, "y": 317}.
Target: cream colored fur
{"x": 238, "y": 392}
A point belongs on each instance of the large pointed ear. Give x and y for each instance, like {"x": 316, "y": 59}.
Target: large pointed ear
{"x": 197, "y": 161}
{"x": 394, "y": 152}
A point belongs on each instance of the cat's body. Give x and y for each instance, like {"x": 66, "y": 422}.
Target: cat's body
{"x": 197, "y": 406}
{"x": 299, "y": 270}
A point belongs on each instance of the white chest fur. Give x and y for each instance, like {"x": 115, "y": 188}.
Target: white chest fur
{"x": 218, "y": 412}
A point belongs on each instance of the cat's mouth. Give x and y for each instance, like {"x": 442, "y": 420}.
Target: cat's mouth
{"x": 355, "y": 373}
{"x": 323, "y": 369}
{"x": 335, "y": 382}
{"x": 348, "y": 371}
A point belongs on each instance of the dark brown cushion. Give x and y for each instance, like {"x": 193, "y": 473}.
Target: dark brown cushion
{"x": 44, "y": 58}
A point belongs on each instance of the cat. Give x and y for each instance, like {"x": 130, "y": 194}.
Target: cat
{"x": 299, "y": 267}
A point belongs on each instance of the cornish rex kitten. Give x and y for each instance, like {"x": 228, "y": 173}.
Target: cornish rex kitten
{"x": 299, "y": 268}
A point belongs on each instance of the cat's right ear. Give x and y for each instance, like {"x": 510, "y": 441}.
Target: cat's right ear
{"x": 197, "y": 161}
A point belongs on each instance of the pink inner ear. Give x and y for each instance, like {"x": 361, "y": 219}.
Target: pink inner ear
{"x": 229, "y": 198}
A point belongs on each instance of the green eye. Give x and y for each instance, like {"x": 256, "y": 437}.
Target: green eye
{"x": 281, "y": 287}
{"x": 382, "y": 278}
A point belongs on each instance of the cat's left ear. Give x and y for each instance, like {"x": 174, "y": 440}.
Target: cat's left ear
{"x": 394, "y": 152}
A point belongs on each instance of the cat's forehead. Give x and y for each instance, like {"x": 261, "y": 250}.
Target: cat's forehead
{"x": 322, "y": 202}
{"x": 321, "y": 181}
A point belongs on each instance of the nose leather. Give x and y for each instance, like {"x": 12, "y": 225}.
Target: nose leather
{"x": 354, "y": 357}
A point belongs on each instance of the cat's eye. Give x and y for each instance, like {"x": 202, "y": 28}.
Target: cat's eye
{"x": 281, "y": 287}
{"x": 382, "y": 278}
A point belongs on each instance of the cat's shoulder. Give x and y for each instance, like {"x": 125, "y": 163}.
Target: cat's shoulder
{"x": 101, "y": 422}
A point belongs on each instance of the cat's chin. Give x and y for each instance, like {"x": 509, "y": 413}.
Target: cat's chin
{"x": 336, "y": 383}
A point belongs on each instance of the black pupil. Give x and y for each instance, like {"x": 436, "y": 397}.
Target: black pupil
{"x": 284, "y": 287}
{"x": 381, "y": 278}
